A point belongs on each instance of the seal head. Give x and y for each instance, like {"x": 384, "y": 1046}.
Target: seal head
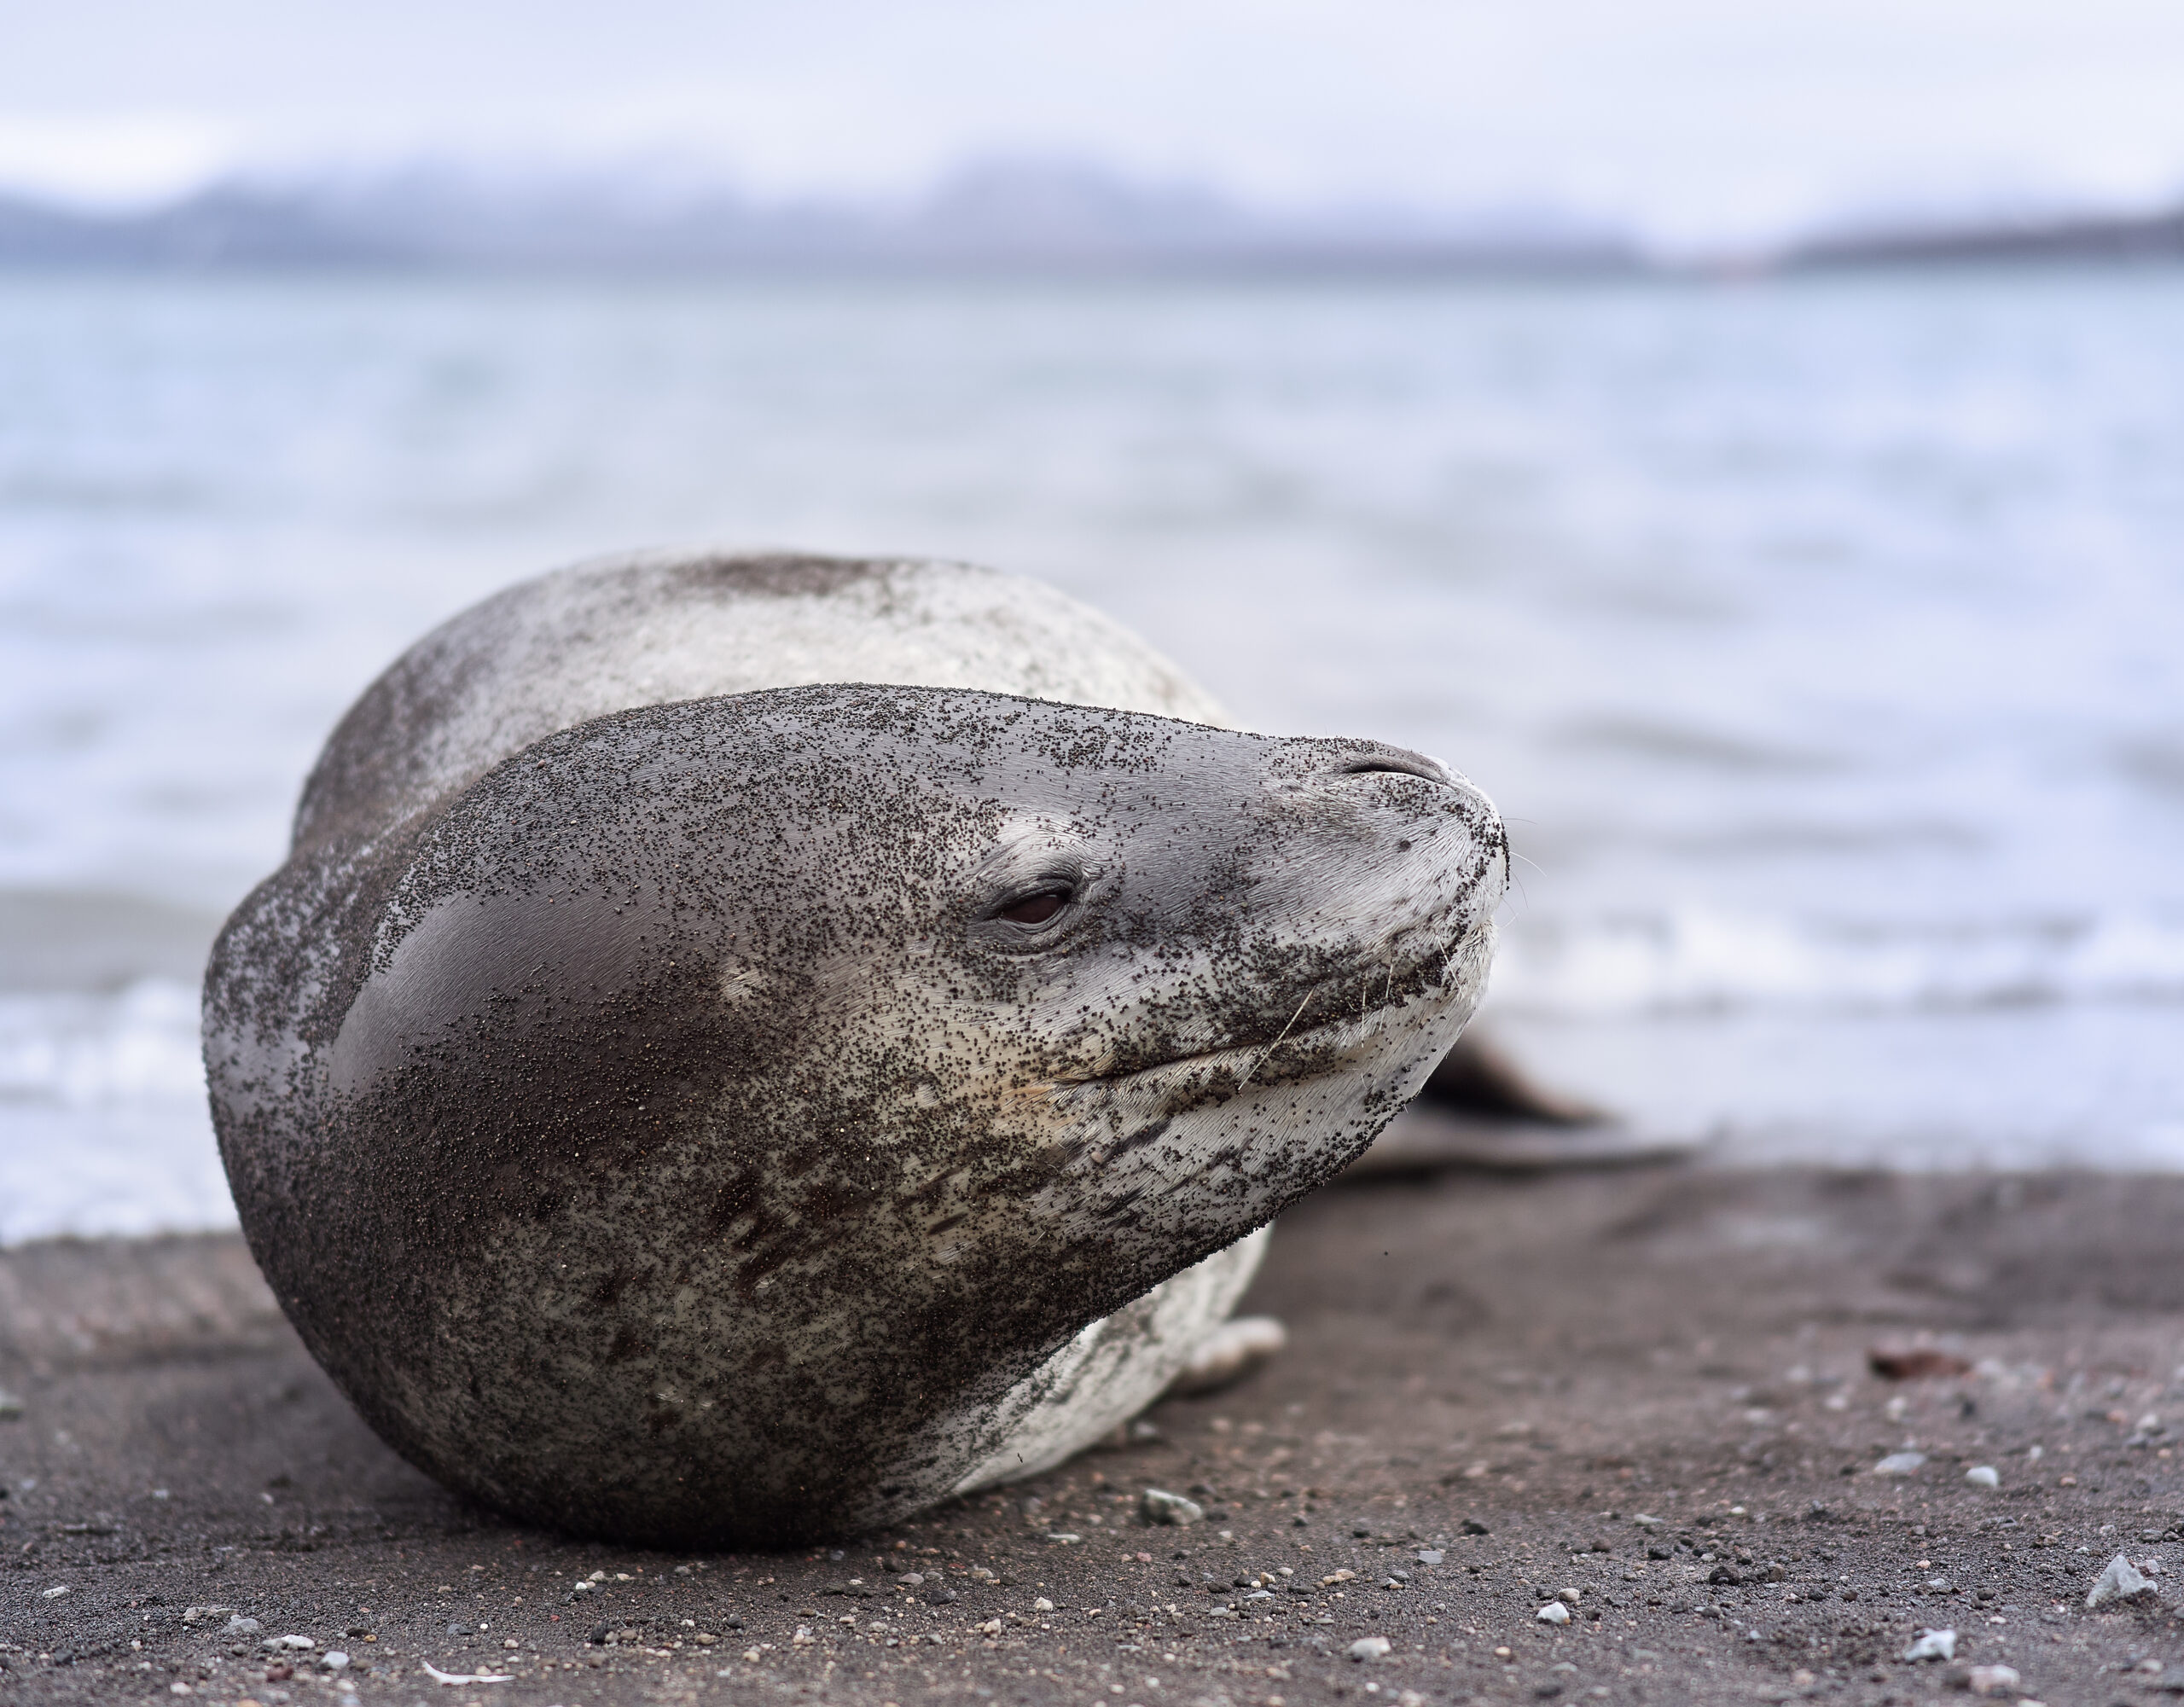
{"x": 699, "y": 1127}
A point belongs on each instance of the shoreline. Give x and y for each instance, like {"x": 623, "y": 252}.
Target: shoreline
{"x": 1506, "y": 1372}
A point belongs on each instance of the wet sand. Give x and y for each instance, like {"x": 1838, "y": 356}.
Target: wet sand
{"x": 1647, "y": 1392}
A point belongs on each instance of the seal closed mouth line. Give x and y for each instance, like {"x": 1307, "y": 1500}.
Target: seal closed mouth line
{"x": 1257, "y": 1053}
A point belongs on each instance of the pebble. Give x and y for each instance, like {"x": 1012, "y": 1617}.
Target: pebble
{"x": 2120, "y": 1581}
{"x": 300, "y": 1643}
{"x": 1369, "y": 1647}
{"x": 1158, "y": 1505}
{"x": 11, "y": 1407}
{"x": 197, "y": 1614}
{"x": 55, "y": 1592}
{"x": 1554, "y": 1612}
{"x": 238, "y": 1626}
{"x": 1431, "y": 1555}
{"x": 335, "y": 1660}
{"x": 1993, "y": 1679}
{"x": 1984, "y": 1476}
{"x": 1932, "y": 1645}
{"x": 1043, "y": 1604}
{"x": 1900, "y": 1464}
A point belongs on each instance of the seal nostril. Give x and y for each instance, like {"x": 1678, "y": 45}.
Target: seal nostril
{"x": 1392, "y": 764}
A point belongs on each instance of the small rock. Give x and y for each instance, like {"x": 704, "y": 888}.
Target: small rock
{"x": 11, "y": 1407}
{"x": 1473, "y": 1527}
{"x": 1984, "y": 1476}
{"x": 2120, "y": 1581}
{"x": 197, "y": 1614}
{"x": 1932, "y": 1645}
{"x": 1915, "y": 1363}
{"x": 1554, "y": 1612}
{"x": 1900, "y": 1464}
{"x": 237, "y": 1626}
{"x": 54, "y": 1592}
{"x": 297, "y": 1644}
{"x": 1369, "y": 1647}
{"x": 1157, "y": 1506}
{"x": 1431, "y": 1555}
{"x": 1043, "y": 1604}
{"x": 335, "y": 1660}
{"x": 1993, "y": 1679}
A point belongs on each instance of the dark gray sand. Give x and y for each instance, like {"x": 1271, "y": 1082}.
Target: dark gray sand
{"x": 1648, "y": 1393}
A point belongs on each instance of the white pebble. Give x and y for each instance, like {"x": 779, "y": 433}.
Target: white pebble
{"x": 1899, "y": 1464}
{"x": 1158, "y": 1505}
{"x": 335, "y": 1660}
{"x": 1983, "y": 1476}
{"x": 1554, "y": 1612}
{"x": 1368, "y": 1648}
{"x": 1932, "y": 1645}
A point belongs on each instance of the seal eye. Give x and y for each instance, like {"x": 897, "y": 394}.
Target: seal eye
{"x": 1033, "y": 909}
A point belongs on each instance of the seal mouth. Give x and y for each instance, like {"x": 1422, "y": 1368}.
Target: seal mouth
{"x": 1308, "y": 1045}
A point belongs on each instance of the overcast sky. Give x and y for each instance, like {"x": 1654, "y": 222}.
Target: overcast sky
{"x": 1701, "y": 121}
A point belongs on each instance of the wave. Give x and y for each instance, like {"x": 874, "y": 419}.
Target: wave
{"x": 103, "y": 1105}
{"x": 1694, "y": 959}
{"x": 74, "y": 1050}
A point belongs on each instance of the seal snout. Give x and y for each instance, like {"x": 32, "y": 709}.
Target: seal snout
{"x": 1382, "y": 780}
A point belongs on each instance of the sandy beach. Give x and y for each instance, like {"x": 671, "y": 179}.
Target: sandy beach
{"x": 1651, "y": 1394}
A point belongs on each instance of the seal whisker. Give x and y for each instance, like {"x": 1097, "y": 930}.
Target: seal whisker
{"x": 1276, "y": 1043}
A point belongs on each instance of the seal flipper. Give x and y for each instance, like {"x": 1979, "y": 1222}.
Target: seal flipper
{"x": 1478, "y": 1080}
{"x": 1480, "y": 1110}
{"x": 1228, "y": 1353}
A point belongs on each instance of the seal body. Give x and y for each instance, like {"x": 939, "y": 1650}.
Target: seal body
{"x": 745, "y": 1112}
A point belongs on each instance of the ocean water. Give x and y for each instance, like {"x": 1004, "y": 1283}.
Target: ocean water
{"x": 1821, "y": 639}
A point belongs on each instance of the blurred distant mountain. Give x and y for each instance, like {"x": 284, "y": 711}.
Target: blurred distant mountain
{"x": 1003, "y": 214}
{"x": 2049, "y": 236}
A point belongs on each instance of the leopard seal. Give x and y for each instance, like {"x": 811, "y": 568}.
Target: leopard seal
{"x": 687, "y": 1092}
